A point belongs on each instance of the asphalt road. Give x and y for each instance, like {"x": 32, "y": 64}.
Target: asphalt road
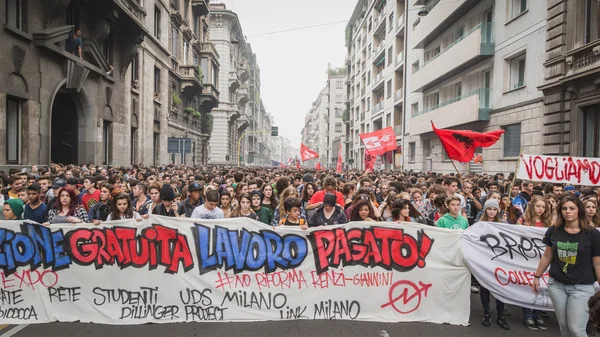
{"x": 291, "y": 328}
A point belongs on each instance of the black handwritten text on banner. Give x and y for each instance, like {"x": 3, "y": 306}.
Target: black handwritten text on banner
{"x": 177, "y": 270}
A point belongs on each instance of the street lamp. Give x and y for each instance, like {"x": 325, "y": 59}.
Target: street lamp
{"x": 423, "y": 11}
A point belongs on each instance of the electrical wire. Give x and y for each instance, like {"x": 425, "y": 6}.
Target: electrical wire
{"x": 299, "y": 28}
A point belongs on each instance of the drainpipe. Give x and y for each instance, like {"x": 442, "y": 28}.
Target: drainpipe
{"x": 404, "y": 82}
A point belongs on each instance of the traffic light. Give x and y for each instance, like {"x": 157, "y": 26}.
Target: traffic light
{"x": 274, "y": 131}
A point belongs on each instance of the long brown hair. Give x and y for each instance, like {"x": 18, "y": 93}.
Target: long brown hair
{"x": 584, "y": 224}
{"x": 354, "y": 216}
{"x": 529, "y": 216}
{"x": 596, "y": 218}
{"x": 128, "y": 214}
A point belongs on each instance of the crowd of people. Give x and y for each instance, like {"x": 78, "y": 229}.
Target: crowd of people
{"x": 305, "y": 198}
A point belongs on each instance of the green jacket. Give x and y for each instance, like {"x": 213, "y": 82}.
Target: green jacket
{"x": 264, "y": 215}
{"x": 450, "y": 222}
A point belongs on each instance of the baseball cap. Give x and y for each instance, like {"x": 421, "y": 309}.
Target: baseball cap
{"x": 195, "y": 186}
{"x": 58, "y": 183}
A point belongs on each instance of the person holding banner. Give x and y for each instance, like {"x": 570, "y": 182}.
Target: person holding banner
{"x": 122, "y": 209}
{"x": 573, "y": 255}
{"x": 491, "y": 213}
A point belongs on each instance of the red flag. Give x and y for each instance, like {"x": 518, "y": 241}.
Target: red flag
{"x": 338, "y": 168}
{"x": 306, "y": 153}
{"x": 380, "y": 141}
{"x": 369, "y": 160}
{"x": 282, "y": 165}
{"x": 460, "y": 145}
{"x": 318, "y": 166}
{"x": 298, "y": 165}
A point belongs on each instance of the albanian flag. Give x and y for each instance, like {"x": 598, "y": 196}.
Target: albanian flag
{"x": 460, "y": 145}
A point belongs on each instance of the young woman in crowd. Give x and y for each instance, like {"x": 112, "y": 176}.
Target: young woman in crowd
{"x": 264, "y": 214}
{"x": 13, "y": 209}
{"x": 511, "y": 213}
{"x": 491, "y": 213}
{"x": 154, "y": 190}
{"x": 349, "y": 192}
{"x": 400, "y": 211}
{"x": 537, "y": 214}
{"x": 240, "y": 189}
{"x": 362, "y": 210}
{"x": 591, "y": 211}
{"x": 122, "y": 209}
{"x": 225, "y": 204}
{"x": 307, "y": 192}
{"x": 244, "y": 209}
{"x": 553, "y": 203}
{"x": 385, "y": 208}
{"x": 66, "y": 208}
{"x": 269, "y": 198}
{"x": 573, "y": 255}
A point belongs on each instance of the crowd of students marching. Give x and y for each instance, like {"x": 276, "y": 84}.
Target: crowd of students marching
{"x": 278, "y": 197}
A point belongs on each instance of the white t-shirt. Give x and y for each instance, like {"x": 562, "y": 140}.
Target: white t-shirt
{"x": 136, "y": 216}
{"x": 201, "y": 212}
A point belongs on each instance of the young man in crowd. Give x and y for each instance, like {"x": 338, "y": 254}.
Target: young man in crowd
{"x": 168, "y": 207}
{"x": 194, "y": 198}
{"x": 35, "y": 210}
{"x": 264, "y": 214}
{"x": 453, "y": 219}
{"x": 522, "y": 200}
{"x": 92, "y": 195}
{"x": 100, "y": 211}
{"x": 140, "y": 199}
{"x": 451, "y": 186}
{"x": 209, "y": 209}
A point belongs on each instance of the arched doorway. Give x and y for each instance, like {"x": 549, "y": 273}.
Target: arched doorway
{"x": 64, "y": 129}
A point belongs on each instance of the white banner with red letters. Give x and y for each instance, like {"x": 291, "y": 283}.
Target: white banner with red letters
{"x": 504, "y": 258}
{"x": 560, "y": 169}
{"x": 164, "y": 270}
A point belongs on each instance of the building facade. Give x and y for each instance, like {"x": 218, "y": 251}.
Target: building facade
{"x": 474, "y": 65}
{"x": 323, "y": 123}
{"x": 257, "y": 140}
{"x": 571, "y": 88}
{"x": 112, "y": 105}
{"x": 230, "y": 118}
{"x": 282, "y": 149}
{"x": 375, "y": 80}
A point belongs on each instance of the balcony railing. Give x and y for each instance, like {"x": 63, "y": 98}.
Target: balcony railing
{"x": 378, "y": 107}
{"x": 400, "y": 21}
{"x": 487, "y": 35}
{"x": 399, "y": 94}
{"x": 399, "y": 58}
{"x": 584, "y": 58}
{"x": 362, "y": 116}
{"x": 398, "y": 130}
{"x": 378, "y": 78}
{"x": 484, "y": 101}
{"x": 362, "y": 91}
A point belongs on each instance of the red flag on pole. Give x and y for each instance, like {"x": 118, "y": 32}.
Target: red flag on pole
{"x": 460, "y": 145}
{"x": 338, "y": 168}
{"x": 380, "y": 141}
{"x": 282, "y": 165}
{"x": 306, "y": 153}
{"x": 318, "y": 166}
{"x": 369, "y": 160}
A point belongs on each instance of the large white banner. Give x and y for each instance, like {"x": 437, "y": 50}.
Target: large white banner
{"x": 504, "y": 259}
{"x": 177, "y": 270}
{"x": 560, "y": 169}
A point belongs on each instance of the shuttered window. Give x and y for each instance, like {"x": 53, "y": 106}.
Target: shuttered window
{"x": 512, "y": 140}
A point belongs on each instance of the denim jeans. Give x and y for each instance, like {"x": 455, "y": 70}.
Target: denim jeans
{"x": 531, "y": 313}
{"x": 484, "y": 294}
{"x": 570, "y": 305}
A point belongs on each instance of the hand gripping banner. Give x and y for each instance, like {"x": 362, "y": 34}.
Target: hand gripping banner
{"x": 165, "y": 270}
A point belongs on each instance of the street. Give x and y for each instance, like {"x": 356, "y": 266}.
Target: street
{"x": 292, "y": 328}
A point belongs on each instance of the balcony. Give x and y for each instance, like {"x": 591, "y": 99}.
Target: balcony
{"x": 399, "y": 60}
{"x": 441, "y": 16}
{"x": 362, "y": 116}
{"x": 399, "y": 24}
{"x": 362, "y": 92}
{"x": 200, "y": 7}
{"x": 190, "y": 78}
{"x": 379, "y": 23}
{"x": 399, "y": 94}
{"x": 471, "y": 48}
{"x": 471, "y": 107}
{"x": 378, "y": 107}
{"x": 209, "y": 99}
{"x": 398, "y": 130}
{"x": 378, "y": 81}
{"x": 208, "y": 48}
{"x": 583, "y": 61}
{"x": 379, "y": 50}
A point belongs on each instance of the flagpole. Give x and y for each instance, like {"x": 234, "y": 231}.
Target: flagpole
{"x": 512, "y": 183}
{"x": 457, "y": 172}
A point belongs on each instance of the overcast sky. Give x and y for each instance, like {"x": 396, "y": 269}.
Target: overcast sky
{"x": 293, "y": 64}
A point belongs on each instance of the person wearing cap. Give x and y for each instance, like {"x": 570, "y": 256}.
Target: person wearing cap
{"x": 265, "y": 215}
{"x": 307, "y": 178}
{"x": 57, "y": 184}
{"x": 76, "y": 185}
{"x": 35, "y": 210}
{"x": 194, "y": 198}
{"x": 328, "y": 213}
{"x": 168, "y": 207}
{"x": 13, "y": 209}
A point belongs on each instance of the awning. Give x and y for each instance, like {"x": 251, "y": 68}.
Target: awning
{"x": 380, "y": 5}
{"x": 380, "y": 61}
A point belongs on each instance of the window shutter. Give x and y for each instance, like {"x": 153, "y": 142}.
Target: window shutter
{"x": 512, "y": 140}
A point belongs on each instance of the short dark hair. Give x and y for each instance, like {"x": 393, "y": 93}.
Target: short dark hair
{"x": 213, "y": 196}
{"x": 35, "y": 187}
{"x": 291, "y": 202}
